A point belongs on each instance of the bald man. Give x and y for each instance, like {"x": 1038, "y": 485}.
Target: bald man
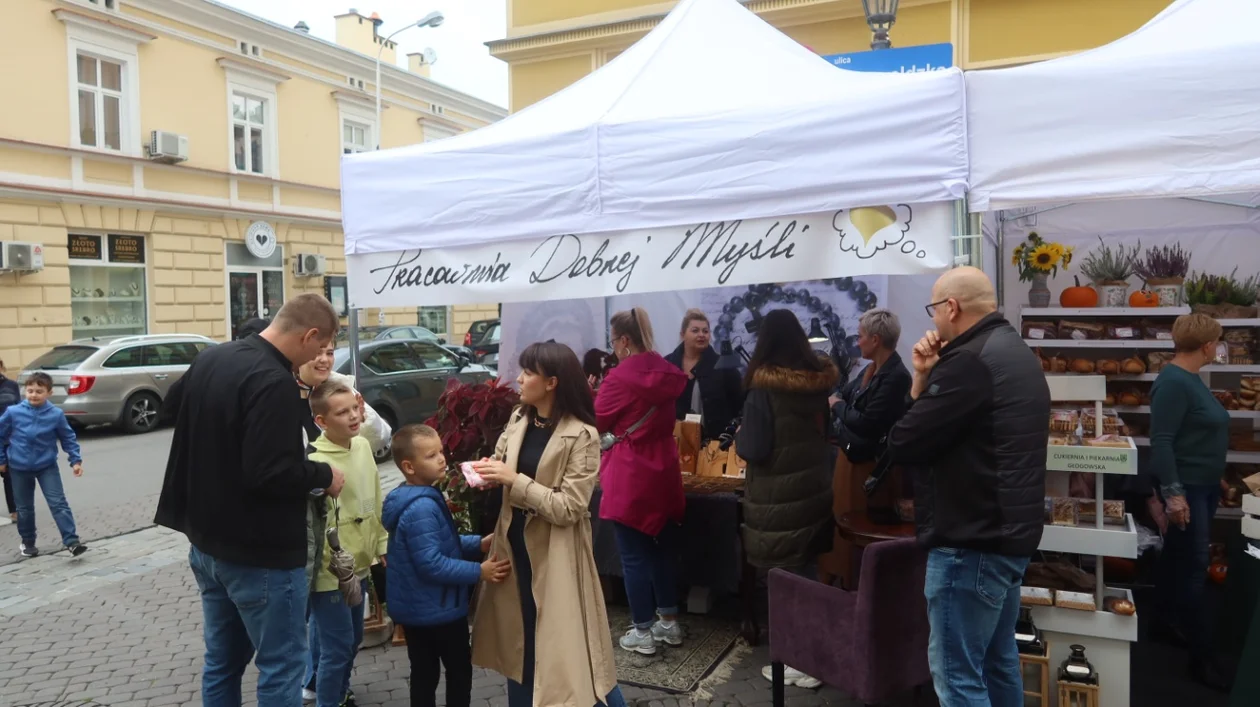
{"x": 976, "y": 435}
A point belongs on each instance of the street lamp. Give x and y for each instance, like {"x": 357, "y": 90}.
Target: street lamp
{"x": 433, "y": 19}
{"x": 880, "y": 17}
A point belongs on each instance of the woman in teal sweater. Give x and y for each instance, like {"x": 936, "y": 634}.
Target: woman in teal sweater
{"x": 1189, "y": 438}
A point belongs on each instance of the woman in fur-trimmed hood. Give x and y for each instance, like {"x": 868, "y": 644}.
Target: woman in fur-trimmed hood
{"x": 783, "y": 437}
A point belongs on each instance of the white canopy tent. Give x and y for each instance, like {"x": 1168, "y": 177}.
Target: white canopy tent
{"x": 714, "y": 115}
{"x": 1167, "y": 111}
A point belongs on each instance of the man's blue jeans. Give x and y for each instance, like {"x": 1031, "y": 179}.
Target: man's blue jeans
{"x": 49, "y": 480}
{"x": 649, "y": 566}
{"x": 336, "y": 632}
{"x": 255, "y": 614}
{"x": 973, "y": 604}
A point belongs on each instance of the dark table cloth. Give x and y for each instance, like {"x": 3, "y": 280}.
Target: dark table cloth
{"x": 710, "y": 553}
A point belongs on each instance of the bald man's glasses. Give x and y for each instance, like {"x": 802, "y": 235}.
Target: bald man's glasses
{"x": 931, "y": 308}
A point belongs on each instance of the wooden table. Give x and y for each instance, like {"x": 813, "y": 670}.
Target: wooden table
{"x": 857, "y": 528}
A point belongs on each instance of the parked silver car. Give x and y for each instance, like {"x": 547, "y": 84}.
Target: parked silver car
{"x": 118, "y": 380}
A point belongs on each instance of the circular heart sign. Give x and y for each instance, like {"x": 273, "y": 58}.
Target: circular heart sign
{"x": 260, "y": 239}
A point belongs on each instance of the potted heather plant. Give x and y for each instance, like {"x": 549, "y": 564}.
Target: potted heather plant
{"x": 1164, "y": 269}
{"x": 1110, "y": 269}
{"x": 1245, "y": 296}
{"x": 470, "y": 418}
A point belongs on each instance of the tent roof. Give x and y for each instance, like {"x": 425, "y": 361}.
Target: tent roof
{"x": 714, "y": 114}
{"x": 1166, "y": 111}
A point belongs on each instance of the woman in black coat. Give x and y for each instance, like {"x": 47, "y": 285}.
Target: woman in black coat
{"x": 714, "y": 394}
{"x": 875, "y": 400}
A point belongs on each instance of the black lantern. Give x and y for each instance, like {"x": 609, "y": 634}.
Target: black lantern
{"x": 753, "y": 324}
{"x": 1076, "y": 668}
{"x": 1027, "y": 635}
{"x": 816, "y": 334}
{"x": 880, "y": 17}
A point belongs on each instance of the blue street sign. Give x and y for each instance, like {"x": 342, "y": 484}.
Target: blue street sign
{"x": 926, "y": 57}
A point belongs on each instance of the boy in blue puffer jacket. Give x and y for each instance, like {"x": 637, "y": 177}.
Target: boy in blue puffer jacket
{"x": 29, "y": 432}
{"x": 429, "y": 576}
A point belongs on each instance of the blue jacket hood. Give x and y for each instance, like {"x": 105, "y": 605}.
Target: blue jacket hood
{"x": 401, "y": 498}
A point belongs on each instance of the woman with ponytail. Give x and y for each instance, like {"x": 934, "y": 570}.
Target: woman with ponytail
{"x": 641, "y": 479}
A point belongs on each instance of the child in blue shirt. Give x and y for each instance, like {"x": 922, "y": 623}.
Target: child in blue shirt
{"x": 432, "y": 570}
{"x": 29, "y": 432}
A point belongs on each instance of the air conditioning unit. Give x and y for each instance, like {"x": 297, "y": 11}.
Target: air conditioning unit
{"x": 167, "y": 147}
{"x": 309, "y": 265}
{"x": 21, "y": 257}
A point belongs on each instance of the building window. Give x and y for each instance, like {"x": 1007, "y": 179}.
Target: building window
{"x": 100, "y": 105}
{"x": 104, "y": 4}
{"x": 250, "y": 49}
{"x": 107, "y": 285}
{"x": 435, "y": 319}
{"x": 355, "y": 138}
{"x": 249, "y": 132}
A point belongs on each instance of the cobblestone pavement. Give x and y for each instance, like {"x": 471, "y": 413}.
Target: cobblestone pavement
{"x": 121, "y": 625}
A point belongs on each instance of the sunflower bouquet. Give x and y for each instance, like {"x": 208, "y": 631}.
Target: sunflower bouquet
{"x": 1036, "y": 257}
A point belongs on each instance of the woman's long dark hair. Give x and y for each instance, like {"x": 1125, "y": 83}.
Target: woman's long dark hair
{"x": 573, "y": 394}
{"x": 781, "y": 342}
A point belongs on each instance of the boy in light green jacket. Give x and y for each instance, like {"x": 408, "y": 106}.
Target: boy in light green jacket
{"x": 337, "y": 629}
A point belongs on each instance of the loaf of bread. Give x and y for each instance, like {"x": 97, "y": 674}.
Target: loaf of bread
{"x": 1081, "y": 365}
{"x": 1107, "y": 366}
{"x": 1132, "y": 366}
{"x": 1118, "y": 605}
{"x": 1075, "y": 600}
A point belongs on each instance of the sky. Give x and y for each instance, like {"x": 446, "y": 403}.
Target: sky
{"x": 464, "y": 63}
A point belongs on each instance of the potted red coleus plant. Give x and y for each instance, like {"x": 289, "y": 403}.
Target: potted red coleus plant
{"x": 470, "y": 419}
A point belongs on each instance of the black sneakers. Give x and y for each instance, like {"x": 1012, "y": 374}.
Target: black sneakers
{"x": 76, "y": 549}
{"x": 31, "y": 551}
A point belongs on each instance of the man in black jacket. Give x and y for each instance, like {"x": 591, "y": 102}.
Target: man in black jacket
{"x": 977, "y": 431}
{"x": 238, "y": 484}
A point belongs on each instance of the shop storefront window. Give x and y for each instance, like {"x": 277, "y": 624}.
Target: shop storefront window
{"x": 433, "y": 318}
{"x": 255, "y": 285}
{"x": 108, "y": 288}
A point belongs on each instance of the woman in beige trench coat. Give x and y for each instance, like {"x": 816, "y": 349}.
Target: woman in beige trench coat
{"x": 547, "y": 462}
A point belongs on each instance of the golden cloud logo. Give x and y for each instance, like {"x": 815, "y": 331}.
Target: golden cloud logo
{"x": 868, "y": 230}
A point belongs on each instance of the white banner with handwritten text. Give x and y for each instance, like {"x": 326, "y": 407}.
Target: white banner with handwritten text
{"x": 900, "y": 239}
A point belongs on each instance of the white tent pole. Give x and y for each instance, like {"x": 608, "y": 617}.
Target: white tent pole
{"x": 354, "y": 346}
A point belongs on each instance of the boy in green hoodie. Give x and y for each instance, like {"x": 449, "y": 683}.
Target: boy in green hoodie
{"x": 356, "y": 514}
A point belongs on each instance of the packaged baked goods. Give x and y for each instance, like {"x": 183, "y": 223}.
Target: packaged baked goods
{"x": 1040, "y": 330}
{"x": 1156, "y": 360}
{"x": 1240, "y": 354}
{"x": 1064, "y": 511}
{"x": 1238, "y": 336}
{"x": 1110, "y": 441}
{"x": 1081, "y": 365}
{"x": 1075, "y": 600}
{"x": 1064, "y": 422}
{"x": 1059, "y": 440}
{"x": 1110, "y": 423}
{"x": 1156, "y": 330}
{"x": 1113, "y": 512}
{"x": 1124, "y": 332}
{"x": 1132, "y": 366}
{"x": 1227, "y": 399}
{"x": 1081, "y": 331}
{"x": 1107, "y": 366}
{"x": 1222, "y": 353}
{"x": 1036, "y": 596}
{"x": 1119, "y": 605}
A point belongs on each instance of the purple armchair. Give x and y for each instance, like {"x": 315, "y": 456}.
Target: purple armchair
{"x": 871, "y": 644}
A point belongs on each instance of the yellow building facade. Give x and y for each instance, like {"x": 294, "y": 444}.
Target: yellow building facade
{"x": 552, "y": 43}
{"x": 174, "y": 161}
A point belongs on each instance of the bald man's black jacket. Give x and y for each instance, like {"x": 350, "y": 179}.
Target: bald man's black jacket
{"x": 978, "y": 435}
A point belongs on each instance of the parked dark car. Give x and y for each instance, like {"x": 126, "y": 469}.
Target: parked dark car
{"x": 401, "y": 332}
{"x": 488, "y": 345}
{"x": 477, "y": 330}
{"x": 402, "y": 379}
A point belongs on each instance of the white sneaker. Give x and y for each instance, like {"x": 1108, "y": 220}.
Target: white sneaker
{"x": 637, "y": 641}
{"x": 671, "y": 635}
{"x": 308, "y": 695}
{"x": 792, "y": 676}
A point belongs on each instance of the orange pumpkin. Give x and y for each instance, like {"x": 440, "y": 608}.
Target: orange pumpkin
{"x": 1144, "y": 298}
{"x": 1078, "y": 297}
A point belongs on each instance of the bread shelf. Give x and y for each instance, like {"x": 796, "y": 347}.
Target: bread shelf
{"x": 1233, "y": 456}
{"x": 1230, "y": 368}
{"x": 1146, "y": 410}
{"x": 1107, "y": 541}
{"x": 1039, "y": 312}
{"x": 1096, "y": 624}
{"x": 1099, "y": 344}
{"x": 1238, "y": 322}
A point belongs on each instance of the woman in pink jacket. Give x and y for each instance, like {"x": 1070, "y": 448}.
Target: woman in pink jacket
{"x": 641, "y": 479}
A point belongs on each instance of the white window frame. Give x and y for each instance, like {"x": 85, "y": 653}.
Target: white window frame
{"x": 348, "y": 146}
{"x": 117, "y": 45}
{"x": 261, "y": 86}
{"x": 360, "y": 111}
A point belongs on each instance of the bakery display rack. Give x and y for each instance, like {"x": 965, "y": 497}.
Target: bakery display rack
{"x": 1106, "y": 635}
